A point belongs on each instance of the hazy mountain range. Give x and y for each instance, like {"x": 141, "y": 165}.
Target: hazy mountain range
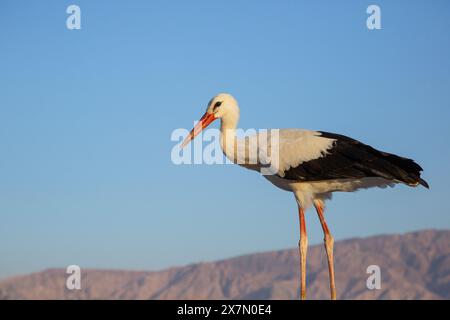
{"x": 413, "y": 266}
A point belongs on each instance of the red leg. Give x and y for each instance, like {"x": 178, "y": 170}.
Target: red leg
{"x": 303, "y": 248}
{"x": 329, "y": 245}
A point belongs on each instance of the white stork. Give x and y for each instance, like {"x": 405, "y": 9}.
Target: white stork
{"x": 312, "y": 165}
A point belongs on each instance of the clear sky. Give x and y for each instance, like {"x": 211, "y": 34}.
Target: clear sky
{"x": 86, "y": 117}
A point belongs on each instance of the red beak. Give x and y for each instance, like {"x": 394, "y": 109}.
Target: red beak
{"x": 204, "y": 121}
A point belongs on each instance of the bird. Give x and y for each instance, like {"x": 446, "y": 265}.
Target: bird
{"x": 310, "y": 164}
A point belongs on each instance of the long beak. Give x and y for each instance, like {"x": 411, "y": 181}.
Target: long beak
{"x": 204, "y": 121}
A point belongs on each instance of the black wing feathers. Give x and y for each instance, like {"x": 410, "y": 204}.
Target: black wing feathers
{"x": 351, "y": 159}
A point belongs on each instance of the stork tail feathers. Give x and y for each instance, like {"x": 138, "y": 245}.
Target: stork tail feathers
{"x": 405, "y": 170}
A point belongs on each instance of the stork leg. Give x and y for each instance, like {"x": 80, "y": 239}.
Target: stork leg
{"x": 329, "y": 245}
{"x": 302, "y": 248}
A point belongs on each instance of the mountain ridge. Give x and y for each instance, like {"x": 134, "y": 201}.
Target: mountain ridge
{"x": 415, "y": 265}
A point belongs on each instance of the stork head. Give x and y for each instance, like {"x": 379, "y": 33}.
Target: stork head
{"x": 224, "y": 107}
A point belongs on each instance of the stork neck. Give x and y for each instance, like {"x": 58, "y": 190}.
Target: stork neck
{"x": 229, "y": 124}
{"x": 227, "y": 136}
{"x": 230, "y": 121}
{"x": 228, "y": 132}
{"x": 228, "y": 139}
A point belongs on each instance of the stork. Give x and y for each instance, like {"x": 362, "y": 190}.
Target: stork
{"x": 310, "y": 164}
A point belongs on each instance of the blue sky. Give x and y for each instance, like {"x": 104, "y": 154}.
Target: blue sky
{"x": 86, "y": 117}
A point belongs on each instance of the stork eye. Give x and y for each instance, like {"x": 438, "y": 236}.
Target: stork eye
{"x": 217, "y": 104}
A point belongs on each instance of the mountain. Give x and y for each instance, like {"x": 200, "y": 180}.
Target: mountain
{"x": 413, "y": 266}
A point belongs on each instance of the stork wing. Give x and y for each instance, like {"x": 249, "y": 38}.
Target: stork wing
{"x": 350, "y": 159}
